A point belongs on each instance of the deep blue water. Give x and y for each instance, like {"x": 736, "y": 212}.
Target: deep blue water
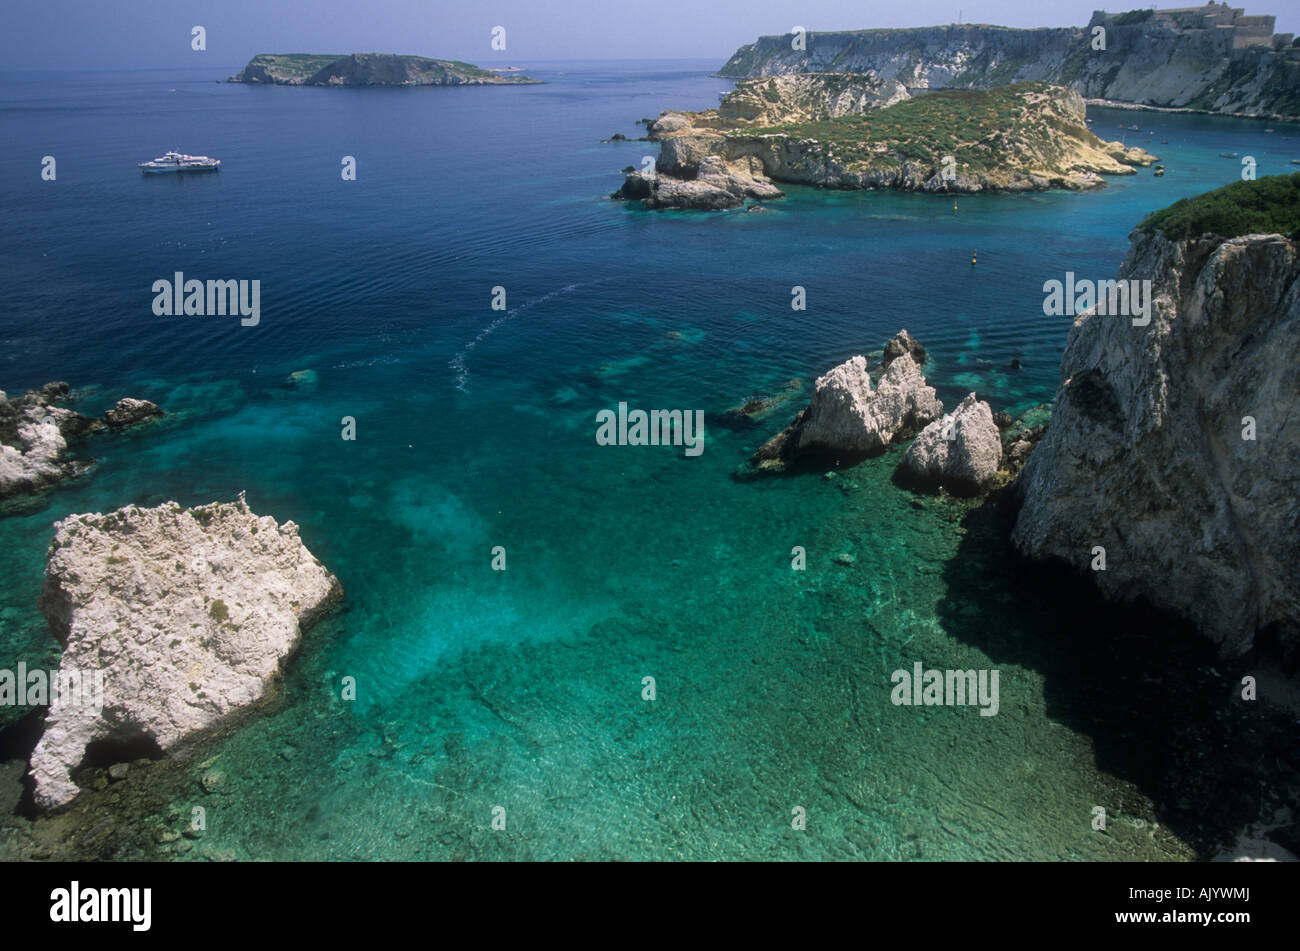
{"x": 475, "y": 428}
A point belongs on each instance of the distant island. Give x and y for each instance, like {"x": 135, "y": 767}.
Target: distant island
{"x": 1213, "y": 58}
{"x": 848, "y": 131}
{"x": 370, "y": 69}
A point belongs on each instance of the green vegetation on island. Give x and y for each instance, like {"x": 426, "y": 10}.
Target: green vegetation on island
{"x": 840, "y": 131}
{"x": 369, "y": 69}
{"x": 1269, "y": 205}
{"x": 983, "y": 129}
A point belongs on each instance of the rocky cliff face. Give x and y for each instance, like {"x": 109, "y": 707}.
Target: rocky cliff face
{"x": 367, "y": 69}
{"x": 1175, "y": 447}
{"x": 186, "y": 613}
{"x": 807, "y": 97}
{"x": 960, "y": 452}
{"x": 1151, "y": 61}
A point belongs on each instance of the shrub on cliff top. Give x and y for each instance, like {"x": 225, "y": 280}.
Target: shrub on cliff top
{"x": 1134, "y": 16}
{"x": 1269, "y": 205}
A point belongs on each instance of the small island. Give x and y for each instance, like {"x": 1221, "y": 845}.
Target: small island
{"x": 850, "y": 132}
{"x": 370, "y": 69}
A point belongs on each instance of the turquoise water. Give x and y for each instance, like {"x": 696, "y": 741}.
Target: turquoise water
{"x": 475, "y": 428}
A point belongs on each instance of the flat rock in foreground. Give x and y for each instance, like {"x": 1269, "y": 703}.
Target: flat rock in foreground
{"x": 188, "y": 614}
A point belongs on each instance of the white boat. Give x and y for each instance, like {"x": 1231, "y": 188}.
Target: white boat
{"x": 180, "y": 162}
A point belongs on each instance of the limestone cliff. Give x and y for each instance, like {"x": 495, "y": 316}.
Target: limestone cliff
{"x": 1175, "y": 446}
{"x": 1212, "y": 58}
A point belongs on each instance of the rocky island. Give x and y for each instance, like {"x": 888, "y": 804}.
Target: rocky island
{"x": 1212, "y": 58}
{"x": 1175, "y": 447}
{"x": 854, "y": 132}
{"x": 188, "y": 614}
{"x": 369, "y": 69}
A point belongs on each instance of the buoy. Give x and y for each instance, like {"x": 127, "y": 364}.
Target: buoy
{"x": 954, "y": 206}
{"x": 972, "y": 259}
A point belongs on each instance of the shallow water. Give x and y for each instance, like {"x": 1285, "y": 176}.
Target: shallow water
{"x": 475, "y": 428}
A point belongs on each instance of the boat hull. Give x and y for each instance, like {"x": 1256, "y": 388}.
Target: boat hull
{"x": 176, "y": 169}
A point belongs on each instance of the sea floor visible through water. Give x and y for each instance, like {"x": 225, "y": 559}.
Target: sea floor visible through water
{"x": 518, "y": 694}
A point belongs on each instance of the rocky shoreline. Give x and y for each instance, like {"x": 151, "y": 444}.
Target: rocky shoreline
{"x": 37, "y": 434}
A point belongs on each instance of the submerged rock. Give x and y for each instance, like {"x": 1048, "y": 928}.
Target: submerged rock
{"x": 188, "y": 614}
{"x": 846, "y": 417}
{"x": 757, "y": 408}
{"x": 1176, "y": 446}
{"x": 301, "y": 380}
{"x": 960, "y": 452}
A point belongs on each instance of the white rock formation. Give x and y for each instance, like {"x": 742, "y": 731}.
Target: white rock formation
{"x": 1176, "y": 446}
{"x": 187, "y": 613}
{"x": 961, "y": 451}
{"x": 846, "y": 416}
{"x": 33, "y": 457}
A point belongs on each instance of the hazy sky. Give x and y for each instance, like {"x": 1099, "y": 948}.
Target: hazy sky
{"x": 61, "y": 34}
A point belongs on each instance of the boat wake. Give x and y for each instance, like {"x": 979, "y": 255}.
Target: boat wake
{"x": 458, "y": 362}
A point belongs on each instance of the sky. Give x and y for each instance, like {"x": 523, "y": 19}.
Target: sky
{"x": 125, "y": 34}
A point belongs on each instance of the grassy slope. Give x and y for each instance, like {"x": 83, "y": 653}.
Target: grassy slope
{"x": 1269, "y": 205}
{"x": 974, "y": 125}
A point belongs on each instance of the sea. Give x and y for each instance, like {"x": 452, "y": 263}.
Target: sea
{"x": 549, "y": 648}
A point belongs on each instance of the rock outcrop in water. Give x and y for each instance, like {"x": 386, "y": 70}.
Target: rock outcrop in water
{"x": 34, "y": 435}
{"x": 188, "y": 614}
{"x": 847, "y": 419}
{"x": 960, "y": 452}
{"x": 1028, "y": 137}
{"x": 368, "y": 69}
{"x": 901, "y": 343}
{"x": 1175, "y": 447}
{"x": 129, "y": 412}
{"x": 1212, "y": 58}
